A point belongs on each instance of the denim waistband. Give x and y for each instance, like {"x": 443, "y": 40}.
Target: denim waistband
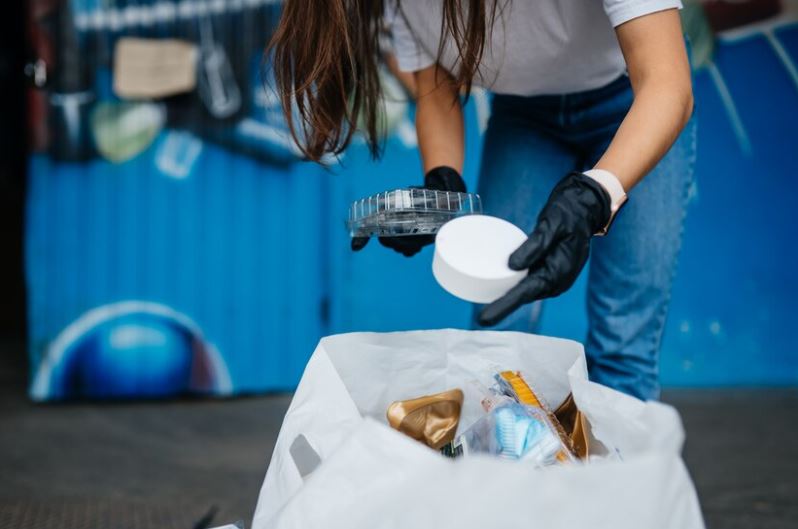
{"x": 574, "y": 99}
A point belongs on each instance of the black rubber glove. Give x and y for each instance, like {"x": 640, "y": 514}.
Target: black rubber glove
{"x": 440, "y": 179}
{"x": 557, "y": 250}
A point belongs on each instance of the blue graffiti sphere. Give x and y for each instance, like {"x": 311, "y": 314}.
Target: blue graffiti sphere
{"x": 135, "y": 355}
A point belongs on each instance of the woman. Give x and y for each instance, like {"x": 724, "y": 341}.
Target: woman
{"x": 592, "y": 102}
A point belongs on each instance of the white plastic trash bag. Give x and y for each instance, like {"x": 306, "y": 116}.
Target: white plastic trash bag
{"x": 337, "y": 463}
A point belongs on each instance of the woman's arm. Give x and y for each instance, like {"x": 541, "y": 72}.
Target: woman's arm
{"x": 439, "y": 120}
{"x": 439, "y": 125}
{"x": 653, "y": 46}
{"x": 578, "y": 208}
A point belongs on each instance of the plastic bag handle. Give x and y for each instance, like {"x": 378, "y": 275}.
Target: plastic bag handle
{"x": 305, "y": 458}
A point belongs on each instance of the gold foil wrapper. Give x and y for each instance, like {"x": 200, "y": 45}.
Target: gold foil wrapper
{"x": 431, "y": 419}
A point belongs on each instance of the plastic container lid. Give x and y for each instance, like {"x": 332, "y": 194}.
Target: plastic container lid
{"x": 471, "y": 255}
{"x": 414, "y": 211}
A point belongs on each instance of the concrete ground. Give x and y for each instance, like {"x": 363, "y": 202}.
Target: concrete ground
{"x": 199, "y": 463}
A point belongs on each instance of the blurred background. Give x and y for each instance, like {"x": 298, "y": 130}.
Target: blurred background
{"x": 162, "y": 239}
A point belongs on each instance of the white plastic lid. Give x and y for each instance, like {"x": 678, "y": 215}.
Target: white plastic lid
{"x": 471, "y": 255}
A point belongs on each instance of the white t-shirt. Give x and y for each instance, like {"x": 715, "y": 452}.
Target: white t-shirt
{"x": 536, "y": 47}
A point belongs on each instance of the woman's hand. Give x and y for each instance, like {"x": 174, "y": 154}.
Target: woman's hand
{"x": 557, "y": 250}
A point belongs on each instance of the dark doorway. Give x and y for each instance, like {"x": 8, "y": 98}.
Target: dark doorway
{"x": 13, "y": 157}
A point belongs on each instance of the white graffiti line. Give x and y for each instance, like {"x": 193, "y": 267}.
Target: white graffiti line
{"x": 482, "y": 105}
{"x": 751, "y": 30}
{"x": 120, "y": 18}
{"x": 783, "y": 56}
{"x": 731, "y": 109}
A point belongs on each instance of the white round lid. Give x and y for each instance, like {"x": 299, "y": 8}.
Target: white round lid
{"x": 471, "y": 255}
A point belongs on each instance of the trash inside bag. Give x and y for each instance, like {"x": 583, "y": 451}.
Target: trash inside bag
{"x": 574, "y": 453}
{"x": 514, "y": 431}
{"x": 517, "y": 425}
{"x": 430, "y": 419}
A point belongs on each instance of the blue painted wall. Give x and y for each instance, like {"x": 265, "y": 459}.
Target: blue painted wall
{"x": 248, "y": 249}
{"x": 221, "y": 246}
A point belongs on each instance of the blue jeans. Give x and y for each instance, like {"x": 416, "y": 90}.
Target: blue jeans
{"x": 529, "y": 145}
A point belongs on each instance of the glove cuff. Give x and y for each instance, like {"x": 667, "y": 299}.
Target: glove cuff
{"x": 444, "y": 178}
{"x": 614, "y": 189}
{"x": 599, "y": 203}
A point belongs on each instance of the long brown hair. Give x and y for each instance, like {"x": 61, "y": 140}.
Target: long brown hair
{"x": 325, "y": 62}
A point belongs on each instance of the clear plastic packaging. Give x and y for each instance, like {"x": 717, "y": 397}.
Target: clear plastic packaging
{"x": 513, "y": 385}
{"x": 515, "y": 431}
{"x": 413, "y": 211}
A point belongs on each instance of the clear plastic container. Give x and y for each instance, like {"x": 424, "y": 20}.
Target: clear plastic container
{"x": 515, "y": 431}
{"x": 413, "y": 211}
